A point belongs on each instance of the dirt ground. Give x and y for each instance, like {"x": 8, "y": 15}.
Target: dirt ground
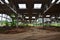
{"x": 32, "y": 35}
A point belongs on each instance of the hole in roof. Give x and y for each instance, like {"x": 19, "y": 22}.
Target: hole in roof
{"x": 6, "y": 1}
{"x": 1, "y": 2}
{"x": 22, "y": 6}
{"x": 47, "y": 15}
{"x": 53, "y": 17}
{"x": 53, "y": 1}
{"x": 33, "y": 17}
{"x": 58, "y": 2}
{"x": 27, "y": 17}
{"x": 37, "y": 6}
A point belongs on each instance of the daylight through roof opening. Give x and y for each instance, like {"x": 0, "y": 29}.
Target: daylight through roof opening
{"x": 33, "y": 17}
{"x": 1, "y": 2}
{"x": 47, "y": 15}
{"x": 58, "y": 2}
{"x": 26, "y": 17}
{"x": 22, "y": 6}
{"x": 6, "y": 1}
{"x": 53, "y": 17}
{"x": 37, "y": 6}
{"x": 53, "y": 1}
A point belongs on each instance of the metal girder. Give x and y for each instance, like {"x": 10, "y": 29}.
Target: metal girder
{"x": 30, "y": 3}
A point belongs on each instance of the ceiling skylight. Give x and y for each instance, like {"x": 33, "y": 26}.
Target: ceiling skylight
{"x": 27, "y": 17}
{"x": 37, "y": 6}
{"x": 33, "y": 17}
{"x": 53, "y": 1}
{"x": 53, "y": 17}
{"x": 6, "y": 1}
{"x": 1, "y": 2}
{"x": 58, "y": 2}
{"x": 47, "y": 15}
{"x": 22, "y": 6}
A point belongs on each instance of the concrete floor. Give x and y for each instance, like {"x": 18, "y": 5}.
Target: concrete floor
{"x": 32, "y": 35}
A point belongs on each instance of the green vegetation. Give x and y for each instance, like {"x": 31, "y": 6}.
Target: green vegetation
{"x": 56, "y": 24}
{"x": 53, "y": 24}
{"x": 13, "y": 23}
